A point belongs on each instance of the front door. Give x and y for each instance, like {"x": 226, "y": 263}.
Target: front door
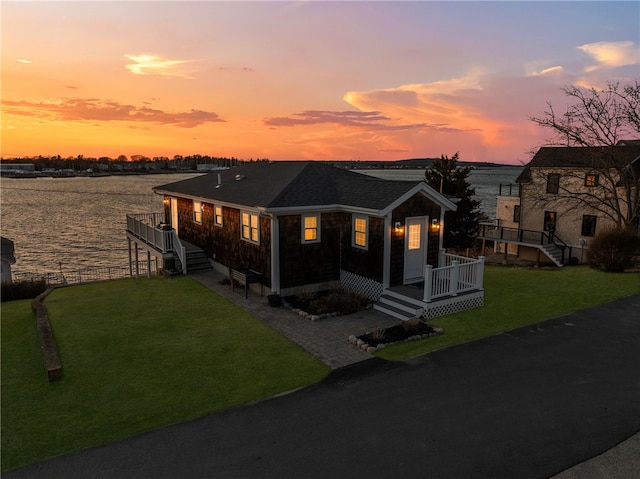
{"x": 174, "y": 213}
{"x": 415, "y": 249}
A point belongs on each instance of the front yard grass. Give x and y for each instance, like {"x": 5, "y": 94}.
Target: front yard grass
{"x": 516, "y": 297}
{"x": 137, "y": 354}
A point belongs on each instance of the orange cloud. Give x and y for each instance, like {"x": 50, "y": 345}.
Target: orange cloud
{"x": 77, "y": 109}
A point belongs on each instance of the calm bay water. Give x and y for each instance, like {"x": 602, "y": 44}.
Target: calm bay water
{"x": 77, "y": 223}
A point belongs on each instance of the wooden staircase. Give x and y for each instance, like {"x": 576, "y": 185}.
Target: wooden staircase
{"x": 197, "y": 260}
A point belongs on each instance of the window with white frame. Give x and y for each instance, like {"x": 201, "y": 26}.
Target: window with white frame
{"x": 249, "y": 227}
{"x": 217, "y": 214}
{"x": 197, "y": 212}
{"x": 360, "y": 231}
{"x": 311, "y": 228}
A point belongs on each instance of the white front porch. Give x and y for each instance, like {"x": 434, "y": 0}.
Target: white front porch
{"x": 456, "y": 286}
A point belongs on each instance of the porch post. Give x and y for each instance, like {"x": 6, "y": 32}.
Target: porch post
{"x": 130, "y": 267}
{"x": 481, "y": 273}
{"x": 136, "y": 251}
{"x": 455, "y": 274}
{"x": 148, "y": 264}
{"x": 428, "y": 273}
{"x": 386, "y": 254}
{"x": 441, "y": 258}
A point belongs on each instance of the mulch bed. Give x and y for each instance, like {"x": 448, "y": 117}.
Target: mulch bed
{"x": 406, "y": 331}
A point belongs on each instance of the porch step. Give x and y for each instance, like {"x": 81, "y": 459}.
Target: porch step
{"x": 553, "y": 253}
{"x": 197, "y": 260}
{"x": 399, "y": 307}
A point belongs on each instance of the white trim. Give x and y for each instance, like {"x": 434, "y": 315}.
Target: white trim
{"x": 386, "y": 254}
{"x": 197, "y": 211}
{"x": 275, "y": 255}
{"x": 367, "y": 225}
{"x": 426, "y": 190}
{"x": 215, "y": 215}
{"x": 318, "y": 228}
{"x": 250, "y": 215}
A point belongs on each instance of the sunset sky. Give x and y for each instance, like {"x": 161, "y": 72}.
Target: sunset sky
{"x": 302, "y": 80}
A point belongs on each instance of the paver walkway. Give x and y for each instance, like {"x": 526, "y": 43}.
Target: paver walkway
{"x": 326, "y": 339}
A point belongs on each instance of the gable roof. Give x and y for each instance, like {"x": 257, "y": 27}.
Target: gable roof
{"x": 581, "y": 157}
{"x": 284, "y": 185}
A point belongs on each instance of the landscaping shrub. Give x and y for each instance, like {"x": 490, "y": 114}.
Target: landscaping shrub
{"x": 338, "y": 300}
{"x": 613, "y": 250}
{"x": 22, "y": 289}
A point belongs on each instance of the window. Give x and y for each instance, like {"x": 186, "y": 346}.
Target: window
{"x": 516, "y": 213}
{"x": 360, "y": 233}
{"x": 310, "y": 228}
{"x": 197, "y": 212}
{"x": 591, "y": 179}
{"x": 550, "y": 220}
{"x": 249, "y": 228}
{"x": 217, "y": 212}
{"x": 414, "y": 236}
{"x": 553, "y": 183}
{"x": 589, "y": 225}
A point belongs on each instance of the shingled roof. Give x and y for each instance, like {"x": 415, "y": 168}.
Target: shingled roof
{"x": 581, "y": 157}
{"x": 291, "y": 184}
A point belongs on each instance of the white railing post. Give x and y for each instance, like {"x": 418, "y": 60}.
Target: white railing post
{"x": 428, "y": 281}
{"x": 481, "y": 273}
{"x": 455, "y": 273}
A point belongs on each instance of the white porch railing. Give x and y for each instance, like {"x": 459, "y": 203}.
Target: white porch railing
{"x": 458, "y": 275}
{"x": 151, "y": 229}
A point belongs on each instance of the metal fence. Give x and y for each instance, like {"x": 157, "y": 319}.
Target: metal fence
{"x": 89, "y": 275}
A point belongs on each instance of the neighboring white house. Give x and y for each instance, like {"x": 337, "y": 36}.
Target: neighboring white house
{"x": 558, "y": 208}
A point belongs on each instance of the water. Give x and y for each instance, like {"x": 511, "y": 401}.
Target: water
{"x": 484, "y": 180}
{"x": 77, "y": 223}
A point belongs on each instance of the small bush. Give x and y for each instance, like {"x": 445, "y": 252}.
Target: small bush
{"x": 613, "y": 250}
{"x": 338, "y": 300}
{"x": 23, "y": 289}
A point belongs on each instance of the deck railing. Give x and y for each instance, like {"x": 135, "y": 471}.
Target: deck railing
{"x": 151, "y": 228}
{"x": 519, "y": 235}
{"x": 459, "y": 275}
{"x": 90, "y": 275}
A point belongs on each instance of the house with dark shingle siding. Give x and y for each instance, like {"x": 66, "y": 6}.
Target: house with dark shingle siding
{"x": 306, "y": 225}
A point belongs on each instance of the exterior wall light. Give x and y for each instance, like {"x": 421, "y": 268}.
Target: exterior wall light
{"x": 435, "y": 224}
{"x": 398, "y": 227}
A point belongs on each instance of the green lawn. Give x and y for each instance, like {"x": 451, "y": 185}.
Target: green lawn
{"x": 137, "y": 354}
{"x": 516, "y": 297}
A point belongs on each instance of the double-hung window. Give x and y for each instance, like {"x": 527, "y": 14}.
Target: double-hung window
{"x": 249, "y": 227}
{"x": 589, "y": 225}
{"x": 553, "y": 183}
{"x": 360, "y": 231}
{"x": 217, "y": 214}
{"x": 197, "y": 212}
{"x": 311, "y": 228}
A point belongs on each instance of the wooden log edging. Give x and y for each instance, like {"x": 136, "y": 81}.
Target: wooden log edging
{"x": 48, "y": 346}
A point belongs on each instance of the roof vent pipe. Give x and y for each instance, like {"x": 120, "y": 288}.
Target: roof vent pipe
{"x": 219, "y": 181}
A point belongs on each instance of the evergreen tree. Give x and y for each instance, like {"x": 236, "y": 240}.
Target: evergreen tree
{"x": 461, "y": 226}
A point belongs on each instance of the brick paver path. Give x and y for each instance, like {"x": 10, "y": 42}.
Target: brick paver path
{"x": 326, "y": 339}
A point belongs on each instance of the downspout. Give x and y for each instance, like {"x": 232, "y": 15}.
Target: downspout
{"x": 275, "y": 255}
{"x": 386, "y": 257}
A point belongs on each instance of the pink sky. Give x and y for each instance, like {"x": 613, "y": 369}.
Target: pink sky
{"x": 302, "y": 80}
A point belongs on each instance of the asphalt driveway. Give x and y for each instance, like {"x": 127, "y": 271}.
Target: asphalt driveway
{"x": 525, "y": 404}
